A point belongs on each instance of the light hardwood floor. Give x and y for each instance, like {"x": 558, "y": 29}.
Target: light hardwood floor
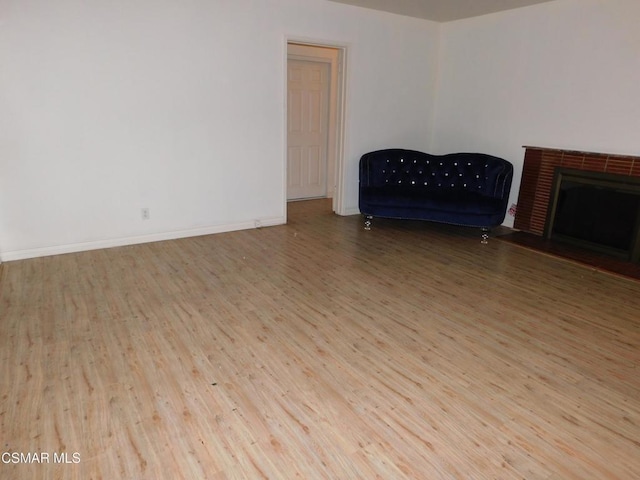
{"x": 317, "y": 350}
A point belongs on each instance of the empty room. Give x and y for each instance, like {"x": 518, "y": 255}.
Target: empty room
{"x": 192, "y": 284}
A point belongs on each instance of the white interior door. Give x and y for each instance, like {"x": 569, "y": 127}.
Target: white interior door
{"x": 307, "y": 128}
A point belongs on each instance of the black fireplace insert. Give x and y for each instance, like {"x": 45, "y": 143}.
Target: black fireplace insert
{"x": 599, "y": 211}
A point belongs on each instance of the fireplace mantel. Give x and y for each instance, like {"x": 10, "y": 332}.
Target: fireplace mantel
{"x": 540, "y": 164}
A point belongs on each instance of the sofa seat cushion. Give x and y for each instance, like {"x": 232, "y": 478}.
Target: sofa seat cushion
{"x": 449, "y": 201}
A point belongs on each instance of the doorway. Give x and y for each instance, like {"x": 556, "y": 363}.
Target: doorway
{"x": 314, "y": 122}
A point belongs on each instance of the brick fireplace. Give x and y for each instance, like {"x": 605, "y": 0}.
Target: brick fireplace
{"x": 537, "y": 179}
{"x": 539, "y": 186}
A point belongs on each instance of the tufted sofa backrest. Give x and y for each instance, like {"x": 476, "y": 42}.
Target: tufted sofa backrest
{"x": 472, "y": 172}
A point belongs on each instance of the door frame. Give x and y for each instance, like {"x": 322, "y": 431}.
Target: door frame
{"x": 336, "y": 134}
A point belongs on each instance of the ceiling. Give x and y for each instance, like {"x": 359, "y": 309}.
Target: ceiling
{"x": 442, "y": 10}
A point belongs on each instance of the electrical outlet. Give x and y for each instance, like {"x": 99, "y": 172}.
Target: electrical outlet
{"x": 145, "y": 214}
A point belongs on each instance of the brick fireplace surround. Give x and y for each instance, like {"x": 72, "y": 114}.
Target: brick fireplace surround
{"x": 537, "y": 179}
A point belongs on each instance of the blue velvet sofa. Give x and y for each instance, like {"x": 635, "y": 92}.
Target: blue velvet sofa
{"x": 470, "y": 189}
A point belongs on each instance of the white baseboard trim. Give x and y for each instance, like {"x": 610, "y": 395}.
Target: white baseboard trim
{"x": 352, "y": 211}
{"x": 9, "y": 256}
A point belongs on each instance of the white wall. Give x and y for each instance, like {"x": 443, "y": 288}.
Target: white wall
{"x": 110, "y": 106}
{"x": 562, "y": 74}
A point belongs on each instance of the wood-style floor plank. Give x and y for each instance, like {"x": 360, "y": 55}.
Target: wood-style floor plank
{"x": 317, "y": 350}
